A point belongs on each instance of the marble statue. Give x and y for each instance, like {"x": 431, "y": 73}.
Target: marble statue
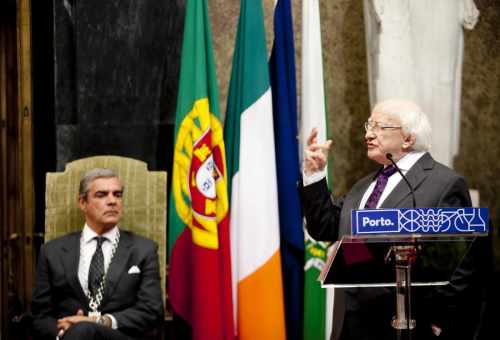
{"x": 415, "y": 51}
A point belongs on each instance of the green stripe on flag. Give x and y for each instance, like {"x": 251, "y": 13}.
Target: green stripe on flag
{"x": 249, "y": 80}
{"x": 197, "y": 80}
{"x": 314, "y": 295}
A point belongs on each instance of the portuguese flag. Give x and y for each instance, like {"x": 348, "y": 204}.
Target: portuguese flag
{"x": 198, "y": 224}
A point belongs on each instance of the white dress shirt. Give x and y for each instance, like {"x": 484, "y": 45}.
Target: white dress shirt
{"x": 405, "y": 164}
{"x": 88, "y": 246}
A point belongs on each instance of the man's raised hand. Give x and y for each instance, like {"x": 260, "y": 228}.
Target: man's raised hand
{"x": 315, "y": 155}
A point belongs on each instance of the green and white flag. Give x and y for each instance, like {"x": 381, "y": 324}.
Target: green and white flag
{"x": 318, "y": 307}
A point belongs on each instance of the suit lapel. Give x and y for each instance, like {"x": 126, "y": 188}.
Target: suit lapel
{"x": 118, "y": 264}
{"x": 361, "y": 189}
{"x": 352, "y": 201}
{"x": 416, "y": 175}
{"x": 71, "y": 258}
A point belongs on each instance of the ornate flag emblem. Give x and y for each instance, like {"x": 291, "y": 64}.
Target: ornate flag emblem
{"x": 199, "y": 182}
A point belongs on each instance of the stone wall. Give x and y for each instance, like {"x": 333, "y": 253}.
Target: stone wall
{"x": 99, "y": 106}
{"x": 479, "y": 154}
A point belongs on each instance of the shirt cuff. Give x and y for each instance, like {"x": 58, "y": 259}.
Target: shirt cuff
{"x": 114, "y": 323}
{"x": 313, "y": 178}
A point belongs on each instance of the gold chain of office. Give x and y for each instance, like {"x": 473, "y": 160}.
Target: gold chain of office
{"x": 95, "y": 300}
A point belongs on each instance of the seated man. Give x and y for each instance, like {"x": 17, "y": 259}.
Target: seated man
{"x": 102, "y": 282}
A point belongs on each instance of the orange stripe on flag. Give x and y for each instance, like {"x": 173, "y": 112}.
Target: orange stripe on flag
{"x": 260, "y": 303}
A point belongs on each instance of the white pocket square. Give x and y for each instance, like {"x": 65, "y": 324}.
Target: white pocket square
{"x": 134, "y": 270}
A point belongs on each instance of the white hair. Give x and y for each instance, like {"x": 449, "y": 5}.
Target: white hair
{"x": 413, "y": 120}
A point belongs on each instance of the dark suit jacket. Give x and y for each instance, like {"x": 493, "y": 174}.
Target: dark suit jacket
{"x": 328, "y": 219}
{"x": 135, "y": 300}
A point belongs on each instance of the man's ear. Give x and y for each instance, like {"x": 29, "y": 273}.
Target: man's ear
{"x": 409, "y": 141}
{"x": 82, "y": 203}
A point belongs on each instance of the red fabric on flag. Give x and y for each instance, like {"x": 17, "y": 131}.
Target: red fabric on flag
{"x": 200, "y": 288}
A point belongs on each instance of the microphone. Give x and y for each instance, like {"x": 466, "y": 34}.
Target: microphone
{"x": 389, "y": 157}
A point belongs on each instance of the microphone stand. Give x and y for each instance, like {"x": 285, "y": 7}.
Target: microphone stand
{"x": 389, "y": 157}
{"x": 404, "y": 256}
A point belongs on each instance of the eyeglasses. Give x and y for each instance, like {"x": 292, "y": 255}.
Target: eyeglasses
{"x": 377, "y": 126}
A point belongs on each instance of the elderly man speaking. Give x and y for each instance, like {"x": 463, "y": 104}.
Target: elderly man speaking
{"x": 401, "y": 129}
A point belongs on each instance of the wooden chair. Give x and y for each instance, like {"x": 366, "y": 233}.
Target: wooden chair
{"x": 145, "y": 201}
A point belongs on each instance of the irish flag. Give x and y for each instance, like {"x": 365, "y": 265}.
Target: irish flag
{"x": 249, "y": 136}
{"x": 199, "y": 253}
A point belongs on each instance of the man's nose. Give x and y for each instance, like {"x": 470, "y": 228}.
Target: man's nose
{"x": 369, "y": 135}
{"x": 111, "y": 199}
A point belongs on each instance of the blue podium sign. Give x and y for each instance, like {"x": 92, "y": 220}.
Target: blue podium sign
{"x": 426, "y": 221}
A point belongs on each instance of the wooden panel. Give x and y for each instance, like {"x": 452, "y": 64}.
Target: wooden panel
{"x": 26, "y": 214}
{"x": 3, "y": 180}
{"x": 8, "y": 162}
{"x": 16, "y": 179}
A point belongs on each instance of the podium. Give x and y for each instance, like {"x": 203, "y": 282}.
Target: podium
{"x": 403, "y": 248}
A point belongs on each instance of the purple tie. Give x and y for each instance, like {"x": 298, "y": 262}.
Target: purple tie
{"x": 359, "y": 252}
{"x": 382, "y": 179}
